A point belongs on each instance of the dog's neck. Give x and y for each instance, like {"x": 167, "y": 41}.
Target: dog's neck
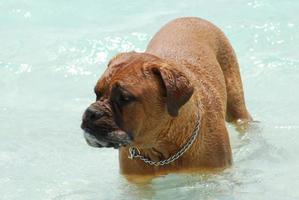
{"x": 173, "y": 135}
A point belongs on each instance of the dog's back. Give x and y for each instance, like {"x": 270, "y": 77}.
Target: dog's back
{"x": 209, "y": 54}
{"x": 190, "y": 39}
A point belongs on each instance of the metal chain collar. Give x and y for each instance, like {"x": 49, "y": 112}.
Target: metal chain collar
{"x": 135, "y": 153}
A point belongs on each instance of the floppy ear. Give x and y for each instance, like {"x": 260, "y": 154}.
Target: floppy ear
{"x": 177, "y": 86}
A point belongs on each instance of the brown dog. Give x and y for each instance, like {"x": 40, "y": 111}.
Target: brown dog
{"x": 170, "y": 103}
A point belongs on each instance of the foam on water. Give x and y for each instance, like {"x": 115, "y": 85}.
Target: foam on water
{"x": 51, "y": 55}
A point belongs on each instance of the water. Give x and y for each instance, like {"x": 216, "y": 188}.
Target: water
{"x": 51, "y": 55}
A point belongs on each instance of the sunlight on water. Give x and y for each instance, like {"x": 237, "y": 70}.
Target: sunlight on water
{"x": 51, "y": 55}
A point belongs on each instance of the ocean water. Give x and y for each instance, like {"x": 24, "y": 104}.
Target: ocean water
{"x": 52, "y": 53}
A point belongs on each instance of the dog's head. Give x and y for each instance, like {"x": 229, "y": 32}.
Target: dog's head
{"x": 137, "y": 93}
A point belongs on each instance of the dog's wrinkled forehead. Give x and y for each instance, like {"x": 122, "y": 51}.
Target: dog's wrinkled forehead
{"x": 124, "y": 63}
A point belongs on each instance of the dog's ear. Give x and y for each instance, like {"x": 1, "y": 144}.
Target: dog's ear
{"x": 178, "y": 87}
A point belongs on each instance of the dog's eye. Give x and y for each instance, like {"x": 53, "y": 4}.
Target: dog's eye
{"x": 121, "y": 97}
{"x": 125, "y": 99}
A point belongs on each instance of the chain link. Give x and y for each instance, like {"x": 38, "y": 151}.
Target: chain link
{"x": 135, "y": 153}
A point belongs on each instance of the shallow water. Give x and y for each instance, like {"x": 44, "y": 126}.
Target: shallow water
{"x": 51, "y": 55}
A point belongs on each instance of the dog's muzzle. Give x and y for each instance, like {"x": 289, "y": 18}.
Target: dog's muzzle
{"x": 101, "y": 131}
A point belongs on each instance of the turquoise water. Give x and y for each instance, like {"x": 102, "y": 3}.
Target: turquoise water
{"x": 52, "y": 53}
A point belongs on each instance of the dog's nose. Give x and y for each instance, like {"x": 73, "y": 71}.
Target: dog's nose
{"x": 92, "y": 114}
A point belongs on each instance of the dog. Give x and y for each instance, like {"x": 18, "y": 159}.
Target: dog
{"x": 165, "y": 109}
